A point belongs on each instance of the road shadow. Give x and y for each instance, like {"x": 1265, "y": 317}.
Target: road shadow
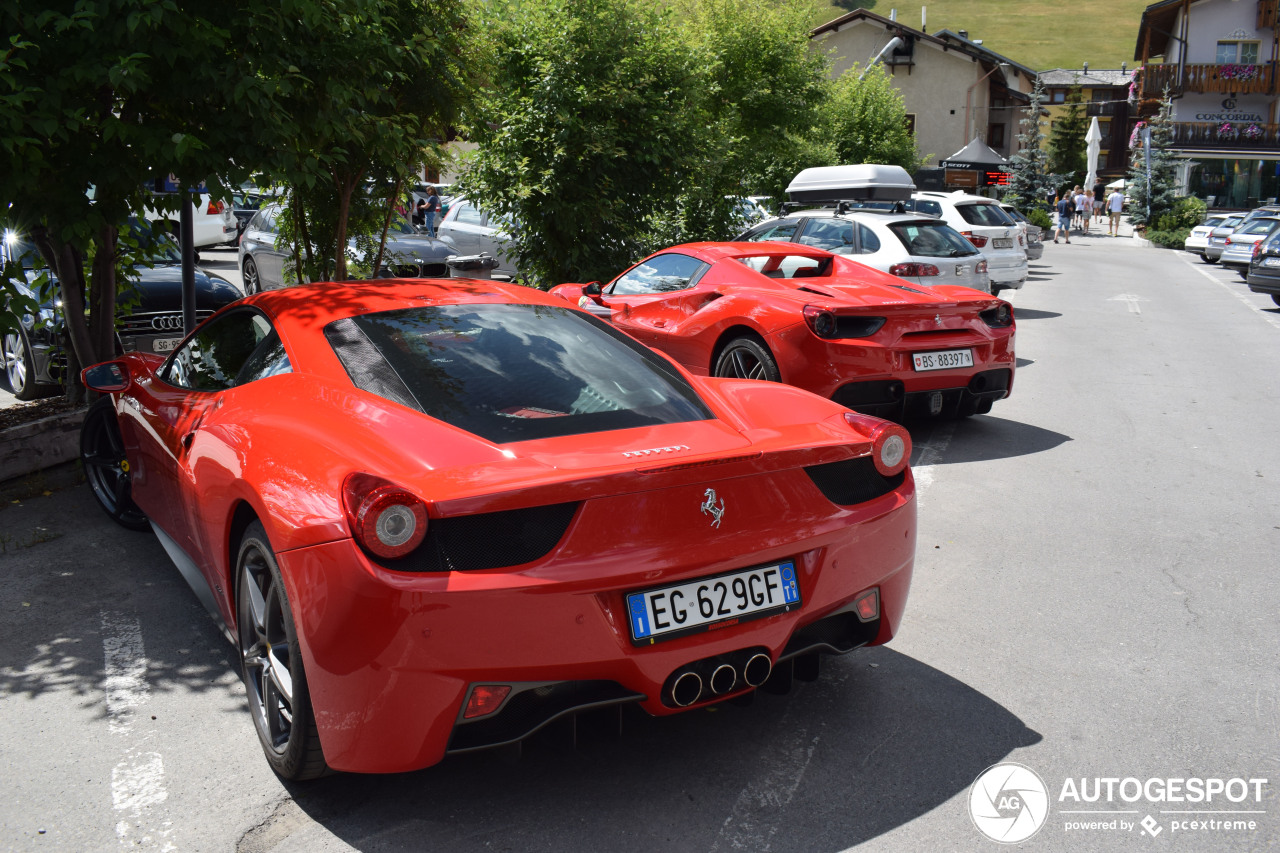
{"x": 1020, "y": 313}
{"x": 982, "y": 438}
{"x": 879, "y": 740}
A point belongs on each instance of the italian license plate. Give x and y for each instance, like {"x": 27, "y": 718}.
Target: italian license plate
{"x": 1002, "y": 243}
{"x": 943, "y": 360}
{"x": 1271, "y": 262}
{"x": 710, "y": 603}
{"x": 165, "y": 344}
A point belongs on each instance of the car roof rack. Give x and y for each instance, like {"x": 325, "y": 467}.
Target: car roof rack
{"x": 845, "y": 205}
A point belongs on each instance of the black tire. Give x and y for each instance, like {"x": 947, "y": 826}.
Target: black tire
{"x": 106, "y": 468}
{"x": 271, "y": 663}
{"x": 20, "y": 365}
{"x": 252, "y": 281}
{"x": 1275, "y": 297}
{"x": 747, "y": 358}
{"x": 1209, "y": 260}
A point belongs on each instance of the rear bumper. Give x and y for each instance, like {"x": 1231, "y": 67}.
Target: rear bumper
{"x": 889, "y": 399}
{"x": 1264, "y": 282}
{"x": 1213, "y": 252}
{"x": 391, "y": 656}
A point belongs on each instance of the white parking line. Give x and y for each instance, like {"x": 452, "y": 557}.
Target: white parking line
{"x": 930, "y": 454}
{"x": 1270, "y": 318}
{"x": 137, "y": 782}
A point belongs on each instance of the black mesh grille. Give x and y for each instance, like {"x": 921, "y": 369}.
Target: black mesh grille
{"x": 852, "y": 481}
{"x": 365, "y": 365}
{"x": 491, "y": 540}
{"x": 840, "y": 633}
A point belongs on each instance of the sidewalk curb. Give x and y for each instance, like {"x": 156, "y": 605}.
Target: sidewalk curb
{"x": 29, "y": 448}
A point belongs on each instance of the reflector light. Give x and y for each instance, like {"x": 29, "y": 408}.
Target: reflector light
{"x": 485, "y": 699}
{"x": 868, "y": 605}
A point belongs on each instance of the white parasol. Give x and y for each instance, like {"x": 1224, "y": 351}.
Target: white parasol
{"x": 1094, "y": 138}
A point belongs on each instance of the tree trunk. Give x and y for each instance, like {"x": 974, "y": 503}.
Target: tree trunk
{"x": 386, "y": 223}
{"x": 102, "y": 295}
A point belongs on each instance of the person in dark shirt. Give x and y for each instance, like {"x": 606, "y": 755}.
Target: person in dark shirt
{"x": 1066, "y": 207}
{"x": 1099, "y": 199}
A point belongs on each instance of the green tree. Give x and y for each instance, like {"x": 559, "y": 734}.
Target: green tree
{"x": 1030, "y": 182}
{"x": 1152, "y": 199}
{"x": 1068, "y": 155}
{"x": 364, "y": 90}
{"x": 585, "y": 132}
{"x": 866, "y": 121}
{"x": 92, "y": 109}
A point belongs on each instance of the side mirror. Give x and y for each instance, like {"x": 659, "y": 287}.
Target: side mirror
{"x": 592, "y": 289}
{"x": 106, "y": 378}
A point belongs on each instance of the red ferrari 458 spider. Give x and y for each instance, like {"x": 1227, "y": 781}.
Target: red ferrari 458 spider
{"x": 435, "y": 515}
{"x": 807, "y": 317}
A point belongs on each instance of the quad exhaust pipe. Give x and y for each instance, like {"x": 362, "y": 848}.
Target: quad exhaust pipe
{"x": 686, "y": 689}
{"x": 757, "y": 670}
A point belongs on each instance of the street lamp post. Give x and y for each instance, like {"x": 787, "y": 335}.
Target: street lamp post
{"x": 1003, "y": 68}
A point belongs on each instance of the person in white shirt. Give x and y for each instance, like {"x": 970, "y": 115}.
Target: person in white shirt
{"x": 1115, "y": 205}
{"x": 1084, "y": 209}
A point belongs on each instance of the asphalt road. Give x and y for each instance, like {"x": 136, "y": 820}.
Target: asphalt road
{"x": 1095, "y": 597}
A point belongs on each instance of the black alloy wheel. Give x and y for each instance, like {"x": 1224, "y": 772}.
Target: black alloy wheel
{"x": 19, "y": 365}
{"x": 106, "y": 467}
{"x": 252, "y": 283}
{"x": 747, "y": 358}
{"x": 272, "y": 663}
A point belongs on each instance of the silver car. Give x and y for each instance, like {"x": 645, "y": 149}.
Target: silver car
{"x": 918, "y": 248}
{"x": 408, "y": 253}
{"x": 1238, "y": 250}
{"x": 475, "y": 231}
{"x": 1198, "y": 239}
{"x": 1217, "y": 241}
{"x": 1034, "y": 234}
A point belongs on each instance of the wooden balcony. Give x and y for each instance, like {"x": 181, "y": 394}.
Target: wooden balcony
{"x": 1267, "y": 13}
{"x": 1221, "y": 79}
{"x": 1206, "y": 134}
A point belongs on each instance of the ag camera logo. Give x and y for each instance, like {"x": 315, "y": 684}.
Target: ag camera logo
{"x": 1008, "y": 803}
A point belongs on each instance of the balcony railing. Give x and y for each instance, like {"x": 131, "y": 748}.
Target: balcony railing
{"x": 1222, "y": 79}
{"x": 1212, "y": 134}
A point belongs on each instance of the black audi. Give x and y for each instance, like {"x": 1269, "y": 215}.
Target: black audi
{"x": 149, "y": 314}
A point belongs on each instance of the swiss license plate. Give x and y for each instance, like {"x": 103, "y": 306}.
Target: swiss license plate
{"x": 165, "y": 344}
{"x": 943, "y": 360}
{"x": 1271, "y": 262}
{"x": 1002, "y": 243}
{"x": 710, "y": 603}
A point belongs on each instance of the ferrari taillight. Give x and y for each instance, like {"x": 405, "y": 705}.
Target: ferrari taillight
{"x": 385, "y": 518}
{"x": 890, "y": 443}
{"x": 910, "y": 270}
{"x": 820, "y": 320}
{"x": 975, "y": 239}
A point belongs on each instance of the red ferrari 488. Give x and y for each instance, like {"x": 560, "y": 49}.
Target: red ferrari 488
{"x": 434, "y": 516}
{"x": 804, "y": 316}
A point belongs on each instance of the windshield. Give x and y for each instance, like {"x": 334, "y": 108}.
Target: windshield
{"x": 513, "y": 372}
{"x": 932, "y": 240}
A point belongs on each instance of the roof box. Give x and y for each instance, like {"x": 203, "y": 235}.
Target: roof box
{"x": 863, "y": 182}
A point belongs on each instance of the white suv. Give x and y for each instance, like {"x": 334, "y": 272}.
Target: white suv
{"x": 213, "y": 223}
{"x": 981, "y": 220}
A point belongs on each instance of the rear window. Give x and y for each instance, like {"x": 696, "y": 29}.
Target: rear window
{"x": 984, "y": 214}
{"x": 1259, "y": 226}
{"x": 513, "y": 372}
{"x": 932, "y": 240}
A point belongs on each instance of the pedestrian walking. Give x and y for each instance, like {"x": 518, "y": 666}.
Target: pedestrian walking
{"x": 1064, "y": 208}
{"x": 1115, "y": 206}
{"x": 1084, "y": 209}
{"x": 1099, "y": 199}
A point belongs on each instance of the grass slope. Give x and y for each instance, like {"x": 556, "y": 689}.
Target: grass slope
{"x": 1040, "y": 34}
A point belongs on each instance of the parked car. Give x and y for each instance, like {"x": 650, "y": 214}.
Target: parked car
{"x": 920, "y": 249}
{"x": 408, "y": 254}
{"x": 1198, "y": 239}
{"x": 213, "y": 221}
{"x": 987, "y": 226}
{"x": 1217, "y": 241}
{"x": 1033, "y": 234}
{"x": 801, "y": 315}
{"x": 435, "y": 516}
{"x": 1237, "y": 251}
{"x": 1263, "y": 273}
{"x": 35, "y": 352}
{"x": 475, "y": 231}
{"x": 857, "y": 211}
